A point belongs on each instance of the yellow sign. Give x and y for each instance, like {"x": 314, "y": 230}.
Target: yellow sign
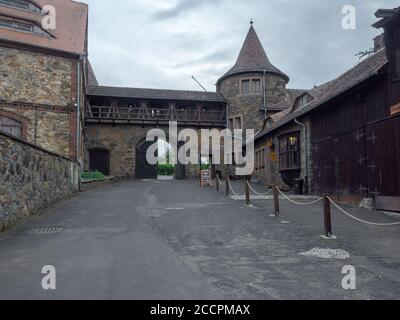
{"x": 273, "y": 157}
{"x": 395, "y": 109}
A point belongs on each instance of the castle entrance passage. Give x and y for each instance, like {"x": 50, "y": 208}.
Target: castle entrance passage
{"x": 144, "y": 170}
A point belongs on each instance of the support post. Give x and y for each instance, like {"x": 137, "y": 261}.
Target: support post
{"x": 327, "y": 217}
{"x": 247, "y": 189}
{"x": 227, "y": 186}
{"x": 276, "y": 201}
{"x": 217, "y": 182}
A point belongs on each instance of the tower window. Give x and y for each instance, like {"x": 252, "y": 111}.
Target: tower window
{"x": 235, "y": 123}
{"x": 245, "y": 86}
{"x": 256, "y": 85}
{"x": 249, "y": 86}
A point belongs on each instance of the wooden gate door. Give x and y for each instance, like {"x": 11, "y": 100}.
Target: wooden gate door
{"x": 144, "y": 170}
{"x": 99, "y": 160}
{"x": 383, "y": 149}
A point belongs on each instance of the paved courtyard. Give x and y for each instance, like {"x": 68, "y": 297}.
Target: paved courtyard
{"x": 175, "y": 240}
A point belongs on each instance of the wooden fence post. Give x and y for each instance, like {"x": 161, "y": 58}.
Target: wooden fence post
{"x": 327, "y": 217}
{"x": 276, "y": 201}
{"x": 247, "y": 189}
{"x": 217, "y": 182}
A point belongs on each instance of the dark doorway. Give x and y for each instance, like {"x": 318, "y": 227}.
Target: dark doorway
{"x": 144, "y": 170}
{"x": 180, "y": 168}
{"x": 99, "y": 160}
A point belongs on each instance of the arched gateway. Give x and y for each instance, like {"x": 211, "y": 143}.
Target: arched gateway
{"x": 117, "y": 119}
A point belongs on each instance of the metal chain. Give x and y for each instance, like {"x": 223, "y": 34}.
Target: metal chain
{"x": 298, "y": 203}
{"x": 257, "y": 193}
{"x": 360, "y": 220}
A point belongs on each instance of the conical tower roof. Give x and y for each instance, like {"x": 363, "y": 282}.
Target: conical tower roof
{"x": 252, "y": 58}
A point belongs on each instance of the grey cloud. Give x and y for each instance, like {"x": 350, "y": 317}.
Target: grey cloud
{"x": 215, "y": 57}
{"x": 303, "y": 38}
{"x": 182, "y": 6}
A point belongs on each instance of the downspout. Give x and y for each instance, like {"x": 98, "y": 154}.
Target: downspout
{"x": 264, "y": 98}
{"x": 78, "y": 123}
{"x": 305, "y": 150}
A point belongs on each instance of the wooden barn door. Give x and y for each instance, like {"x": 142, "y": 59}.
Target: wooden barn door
{"x": 383, "y": 149}
{"x": 99, "y": 160}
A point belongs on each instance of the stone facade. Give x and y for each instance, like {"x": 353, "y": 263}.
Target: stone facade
{"x": 121, "y": 141}
{"x": 47, "y": 129}
{"x": 31, "y": 178}
{"x": 40, "y": 87}
{"x": 37, "y": 78}
{"x": 249, "y": 106}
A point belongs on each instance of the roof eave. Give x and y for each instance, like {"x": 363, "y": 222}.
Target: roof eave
{"x": 233, "y": 73}
{"x": 293, "y": 116}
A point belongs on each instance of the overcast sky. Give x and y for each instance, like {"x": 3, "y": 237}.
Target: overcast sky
{"x": 162, "y": 43}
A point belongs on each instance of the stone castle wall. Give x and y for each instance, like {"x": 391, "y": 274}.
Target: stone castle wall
{"x": 27, "y": 76}
{"x": 31, "y": 178}
{"x": 121, "y": 141}
{"x": 39, "y": 87}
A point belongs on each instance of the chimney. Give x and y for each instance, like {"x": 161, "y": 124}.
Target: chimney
{"x": 379, "y": 42}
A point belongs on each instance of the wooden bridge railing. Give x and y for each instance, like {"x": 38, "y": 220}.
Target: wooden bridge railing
{"x": 154, "y": 114}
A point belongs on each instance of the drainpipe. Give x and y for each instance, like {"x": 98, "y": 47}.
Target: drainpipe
{"x": 78, "y": 123}
{"x": 305, "y": 151}
{"x": 264, "y": 94}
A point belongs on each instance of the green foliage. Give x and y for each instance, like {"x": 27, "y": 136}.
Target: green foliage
{"x": 204, "y": 166}
{"x": 93, "y": 175}
{"x": 166, "y": 169}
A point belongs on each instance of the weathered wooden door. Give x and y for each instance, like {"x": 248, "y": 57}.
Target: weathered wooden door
{"x": 99, "y": 160}
{"x": 383, "y": 149}
{"x": 144, "y": 170}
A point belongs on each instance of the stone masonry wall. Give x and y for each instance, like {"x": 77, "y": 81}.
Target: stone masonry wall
{"x": 31, "y": 178}
{"x": 48, "y": 129}
{"x": 32, "y": 77}
{"x": 121, "y": 141}
{"x": 249, "y": 105}
{"x": 39, "y": 87}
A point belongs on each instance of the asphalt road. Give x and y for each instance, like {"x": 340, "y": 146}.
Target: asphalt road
{"x": 174, "y": 240}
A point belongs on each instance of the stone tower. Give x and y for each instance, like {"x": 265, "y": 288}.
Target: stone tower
{"x": 253, "y": 86}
